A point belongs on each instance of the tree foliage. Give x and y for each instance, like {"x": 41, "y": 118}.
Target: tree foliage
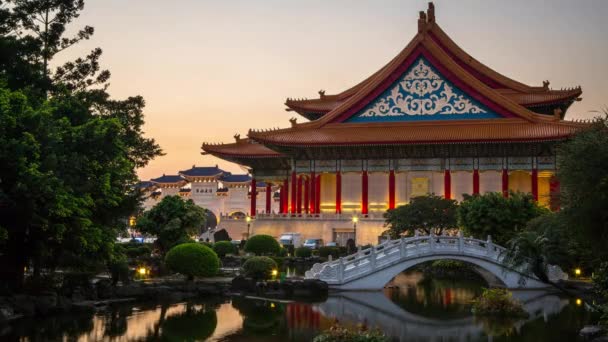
{"x": 193, "y": 260}
{"x": 222, "y": 248}
{"x": 583, "y": 175}
{"x": 496, "y": 215}
{"x": 68, "y": 151}
{"x": 259, "y": 267}
{"x": 425, "y": 213}
{"x": 173, "y": 220}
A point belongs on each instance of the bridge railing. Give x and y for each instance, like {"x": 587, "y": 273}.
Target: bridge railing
{"x": 368, "y": 260}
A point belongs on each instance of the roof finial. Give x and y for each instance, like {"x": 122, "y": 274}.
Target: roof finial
{"x": 430, "y": 13}
{"x": 546, "y": 85}
{"x": 422, "y": 22}
{"x": 237, "y": 138}
{"x": 322, "y": 93}
{"x": 293, "y": 122}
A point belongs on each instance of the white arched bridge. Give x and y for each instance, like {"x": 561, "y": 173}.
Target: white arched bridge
{"x": 374, "y": 267}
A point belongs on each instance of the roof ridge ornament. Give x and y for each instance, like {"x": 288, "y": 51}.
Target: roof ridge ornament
{"x": 237, "y": 138}
{"x": 430, "y": 13}
{"x": 422, "y": 22}
{"x": 293, "y": 121}
{"x": 322, "y": 94}
{"x": 546, "y": 85}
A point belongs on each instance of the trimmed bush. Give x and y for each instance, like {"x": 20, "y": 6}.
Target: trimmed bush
{"x": 303, "y": 252}
{"x": 283, "y": 252}
{"x": 259, "y": 267}
{"x": 224, "y": 247}
{"x": 498, "y": 302}
{"x": 262, "y": 245}
{"x": 193, "y": 260}
{"x": 325, "y": 252}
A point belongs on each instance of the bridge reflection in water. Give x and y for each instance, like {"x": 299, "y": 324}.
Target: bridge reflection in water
{"x": 375, "y": 309}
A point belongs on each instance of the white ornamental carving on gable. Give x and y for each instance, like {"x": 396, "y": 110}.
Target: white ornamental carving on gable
{"x": 422, "y": 92}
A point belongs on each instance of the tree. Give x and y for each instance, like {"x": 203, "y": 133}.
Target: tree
{"x": 583, "y": 176}
{"x": 173, "y": 220}
{"x": 68, "y": 151}
{"x": 425, "y": 213}
{"x": 496, "y": 215}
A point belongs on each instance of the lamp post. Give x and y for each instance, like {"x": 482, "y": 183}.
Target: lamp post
{"x": 248, "y": 219}
{"x": 355, "y": 220}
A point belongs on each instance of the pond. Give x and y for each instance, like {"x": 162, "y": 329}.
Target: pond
{"x": 413, "y": 308}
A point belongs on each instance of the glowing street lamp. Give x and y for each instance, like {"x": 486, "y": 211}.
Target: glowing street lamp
{"x": 577, "y": 272}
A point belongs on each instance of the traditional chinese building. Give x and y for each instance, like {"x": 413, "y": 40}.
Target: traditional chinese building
{"x": 227, "y": 196}
{"x": 432, "y": 120}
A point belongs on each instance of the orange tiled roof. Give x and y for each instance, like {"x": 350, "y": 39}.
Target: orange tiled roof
{"x": 244, "y": 148}
{"x": 420, "y": 132}
{"x": 518, "y": 92}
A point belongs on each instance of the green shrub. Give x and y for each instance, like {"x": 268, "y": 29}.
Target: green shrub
{"x": 134, "y": 251}
{"x": 498, "y": 302}
{"x": 325, "y": 252}
{"x": 259, "y": 267}
{"x": 119, "y": 271}
{"x": 600, "y": 280}
{"x": 193, "y": 260}
{"x": 283, "y": 252}
{"x": 339, "y": 333}
{"x": 224, "y": 247}
{"x": 262, "y": 245}
{"x": 303, "y": 252}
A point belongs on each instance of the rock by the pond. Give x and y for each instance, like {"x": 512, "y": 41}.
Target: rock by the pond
{"x": 590, "y": 331}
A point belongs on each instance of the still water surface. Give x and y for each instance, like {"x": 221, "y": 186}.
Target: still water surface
{"x": 414, "y": 309}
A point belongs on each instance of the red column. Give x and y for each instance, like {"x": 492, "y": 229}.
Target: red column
{"x": 268, "y": 197}
{"x": 299, "y": 196}
{"x": 338, "y": 192}
{"x": 285, "y": 194}
{"x": 554, "y": 193}
{"x": 318, "y": 194}
{"x": 505, "y": 182}
{"x": 292, "y": 206}
{"x": 534, "y": 179}
{"x": 254, "y": 193}
{"x": 475, "y": 182}
{"x": 306, "y": 191}
{"x": 313, "y": 199}
{"x": 364, "y": 193}
{"x": 391, "y": 189}
{"x": 447, "y": 184}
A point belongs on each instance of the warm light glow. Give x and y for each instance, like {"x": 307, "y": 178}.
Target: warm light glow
{"x": 142, "y": 271}
{"x": 248, "y": 219}
{"x": 579, "y": 301}
{"x": 355, "y": 219}
{"x": 275, "y": 273}
{"x": 577, "y": 271}
{"x": 272, "y": 305}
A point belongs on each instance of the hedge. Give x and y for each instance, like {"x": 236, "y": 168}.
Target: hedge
{"x": 262, "y": 245}
{"x": 224, "y": 247}
{"x": 259, "y": 267}
{"x": 326, "y": 251}
{"x": 193, "y": 260}
{"x": 303, "y": 252}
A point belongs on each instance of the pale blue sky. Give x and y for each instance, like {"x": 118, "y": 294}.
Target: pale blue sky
{"x": 209, "y": 69}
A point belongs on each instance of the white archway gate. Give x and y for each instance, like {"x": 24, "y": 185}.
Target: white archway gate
{"x": 374, "y": 267}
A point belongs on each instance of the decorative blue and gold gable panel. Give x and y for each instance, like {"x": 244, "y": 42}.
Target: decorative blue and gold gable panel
{"x": 422, "y": 94}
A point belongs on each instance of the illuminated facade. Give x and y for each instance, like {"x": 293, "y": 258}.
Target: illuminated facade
{"x": 432, "y": 120}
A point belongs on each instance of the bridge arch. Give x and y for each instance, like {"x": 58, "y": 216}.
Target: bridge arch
{"x": 373, "y": 268}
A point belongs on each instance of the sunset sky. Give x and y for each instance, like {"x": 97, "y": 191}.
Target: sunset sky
{"x": 210, "y": 69}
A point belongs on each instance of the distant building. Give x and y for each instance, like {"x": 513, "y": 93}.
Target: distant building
{"x": 227, "y": 196}
{"x": 432, "y": 120}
